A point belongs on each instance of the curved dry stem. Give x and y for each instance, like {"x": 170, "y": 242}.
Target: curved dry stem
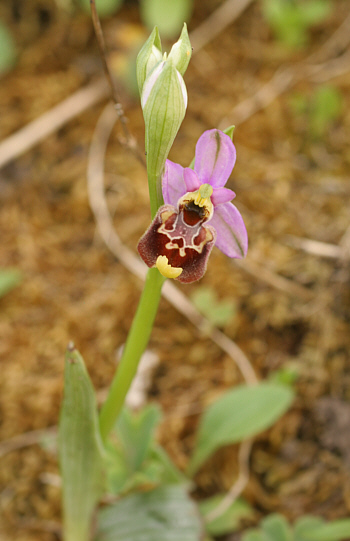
{"x": 240, "y": 484}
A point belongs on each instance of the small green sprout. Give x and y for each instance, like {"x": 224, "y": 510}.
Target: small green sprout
{"x": 291, "y": 20}
{"x": 218, "y": 312}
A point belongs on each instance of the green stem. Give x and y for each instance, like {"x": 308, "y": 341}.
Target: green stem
{"x": 155, "y": 193}
{"x": 135, "y": 346}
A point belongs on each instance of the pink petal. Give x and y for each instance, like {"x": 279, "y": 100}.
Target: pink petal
{"x": 173, "y": 184}
{"x": 215, "y": 158}
{"x": 191, "y": 180}
{"x": 232, "y": 238}
{"x": 222, "y": 195}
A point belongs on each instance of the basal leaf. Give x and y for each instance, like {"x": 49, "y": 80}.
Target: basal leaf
{"x": 163, "y": 514}
{"x": 305, "y": 524}
{"x": 81, "y": 453}
{"x": 239, "y": 414}
{"x": 277, "y": 528}
{"x": 135, "y": 432}
{"x": 337, "y": 530}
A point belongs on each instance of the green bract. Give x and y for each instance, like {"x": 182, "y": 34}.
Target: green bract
{"x": 181, "y": 52}
{"x": 148, "y": 57}
{"x": 164, "y": 102}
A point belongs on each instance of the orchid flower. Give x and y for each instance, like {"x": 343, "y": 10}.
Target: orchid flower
{"x": 179, "y": 241}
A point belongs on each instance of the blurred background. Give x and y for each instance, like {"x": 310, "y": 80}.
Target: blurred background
{"x": 279, "y": 71}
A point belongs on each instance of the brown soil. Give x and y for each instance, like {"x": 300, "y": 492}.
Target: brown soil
{"x": 287, "y": 183}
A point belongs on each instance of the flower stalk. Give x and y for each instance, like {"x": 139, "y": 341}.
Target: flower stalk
{"x": 163, "y": 100}
{"x": 135, "y": 345}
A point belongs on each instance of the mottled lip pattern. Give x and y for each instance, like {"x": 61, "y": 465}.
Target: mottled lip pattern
{"x": 179, "y": 237}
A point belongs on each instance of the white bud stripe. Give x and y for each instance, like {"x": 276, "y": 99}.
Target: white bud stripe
{"x": 150, "y": 82}
{"x": 183, "y": 88}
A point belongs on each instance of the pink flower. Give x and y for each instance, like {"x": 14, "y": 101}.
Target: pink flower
{"x": 178, "y": 242}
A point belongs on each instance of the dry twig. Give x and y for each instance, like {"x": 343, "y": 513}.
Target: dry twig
{"x": 130, "y": 141}
{"x": 321, "y": 249}
{"x": 52, "y": 120}
{"x": 238, "y": 487}
{"x": 277, "y": 281}
{"x": 26, "y": 439}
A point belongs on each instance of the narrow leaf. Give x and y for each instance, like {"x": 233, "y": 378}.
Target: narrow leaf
{"x": 239, "y": 414}
{"x": 164, "y": 514}
{"x": 333, "y": 531}
{"x": 135, "y": 431}
{"x": 80, "y": 449}
{"x": 168, "y": 472}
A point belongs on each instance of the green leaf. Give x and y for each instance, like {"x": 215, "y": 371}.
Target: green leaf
{"x": 167, "y": 471}
{"x": 7, "y": 50}
{"x": 325, "y": 108}
{"x": 9, "y": 278}
{"x": 81, "y": 453}
{"x": 230, "y": 520}
{"x": 333, "y": 531}
{"x": 164, "y": 514}
{"x": 135, "y": 460}
{"x": 290, "y": 21}
{"x": 156, "y": 470}
{"x": 239, "y": 414}
{"x": 305, "y": 524}
{"x": 218, "y": 312}
{"x": 276, "y": 528}
{"x": 117, "y": 468}
{"x": 314, "y": 11}
{"x": 255, "y": 535}
{"x": 287, "y": 375}
{"x": 135, "y": 431}
{"x": 168, "y": 15}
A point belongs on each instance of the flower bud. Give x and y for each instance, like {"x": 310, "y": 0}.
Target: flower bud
{"x": 164, "y": 102}
{"x": 181, "y": 52}
{"x": 149, "y": 56}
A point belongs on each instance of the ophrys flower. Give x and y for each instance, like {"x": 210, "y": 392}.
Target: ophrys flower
{"x": 194, "y": 197}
